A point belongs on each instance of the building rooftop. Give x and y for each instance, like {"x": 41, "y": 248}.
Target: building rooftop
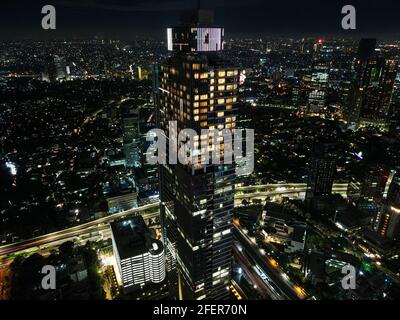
{"x": 133, "y": 238}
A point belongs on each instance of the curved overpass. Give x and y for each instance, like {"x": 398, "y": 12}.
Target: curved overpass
{"x": 295, "y": 190}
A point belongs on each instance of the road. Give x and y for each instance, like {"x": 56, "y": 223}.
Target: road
{"x": 295, "y": 190}
{"x": 247, "y": 266}
{"x": 66, "y": 234}
{"x": 277, "y": 281}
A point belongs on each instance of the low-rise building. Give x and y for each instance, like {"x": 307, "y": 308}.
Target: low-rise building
{"x": 139, "y": 257}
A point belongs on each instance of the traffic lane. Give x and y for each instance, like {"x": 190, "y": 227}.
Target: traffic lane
{"x": 274, "y": 274}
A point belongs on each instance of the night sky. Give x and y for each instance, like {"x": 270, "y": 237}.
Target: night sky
{"x": 127, "y": 18}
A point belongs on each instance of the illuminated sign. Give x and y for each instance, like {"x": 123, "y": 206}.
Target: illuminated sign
{"x": 195, "y": 39}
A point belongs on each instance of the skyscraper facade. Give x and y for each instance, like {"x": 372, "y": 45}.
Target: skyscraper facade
{"x": 322, "y": 170}
{"x": 318, "y": 87}
{"x": 198, "y": 90}
{"x": 139, "y": 257}
{"x": 55, "y": 69}
{"x": 131, "y": 136}
{"x": 389, "y": 220}
{"x": 372, "y": 90}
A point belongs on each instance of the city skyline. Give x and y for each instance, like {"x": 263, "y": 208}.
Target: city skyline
{"x": 116, "y": 170}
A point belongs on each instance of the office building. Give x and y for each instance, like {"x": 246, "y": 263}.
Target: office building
{"x": 322, "y": 169}
{"x": 198, "y": 90}
{"x": 131, "y": 135}
{"x": 389, "y": 223}
{"x": 368, "y": 184}
{"x": 122, "y": 202}
{"x": 139, "y": 257}
{"x": 55, "y": 69}
{"x": 371, "y": 94}
{"x": 389, "y": 220}
{"x": 318, "y": 87}
{"x": 281, "y": 228}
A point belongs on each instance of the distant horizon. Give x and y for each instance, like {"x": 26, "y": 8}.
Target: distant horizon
{"x": 161, "y": 37}
{"x": 122, "y": 18}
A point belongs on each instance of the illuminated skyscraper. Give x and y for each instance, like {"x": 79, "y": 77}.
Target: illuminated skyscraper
{"x": 374, "y": 183}
{"x": 55, "y": 69}
{"x": 198, "y": 90}
{"x": 318, "y": 87}
{"x": 389, "y": 220}
{"x": 131, "y": 135}
{"x": 372, "y": 89}
{"x": 395, "y": 107}
{"x": 366, "y": 189}
{"x": 369, "y": 184}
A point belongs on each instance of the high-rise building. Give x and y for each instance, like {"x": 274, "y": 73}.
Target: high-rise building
{"x": 393, "y": 194}
{"x": 366, "y": 189}
{"x": 388, "y": 222}
{"x": 322, "y": 170}
{"x": 372, "y": 89}
{"x": 55, "y": 69}
{"x": 131, "y": 135}
{"x": 366, "y": 49}
{"x": 198, "y": 90}
{"x": 318, "y": 87}
{"x": 395, "y": 107}
{"x": 148, "y": 186}
{"x": 368, "y": 184}
{"x": 374, "y": 183}
{"x": 140, "y": 258}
